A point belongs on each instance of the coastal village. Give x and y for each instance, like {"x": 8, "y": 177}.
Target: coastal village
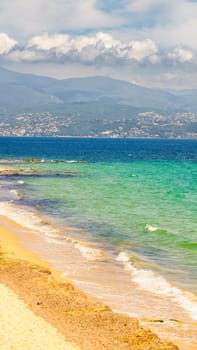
{"x": 146, "y": 124}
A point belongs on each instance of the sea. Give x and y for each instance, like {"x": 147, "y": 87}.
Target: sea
{"x": 118, "y": 217}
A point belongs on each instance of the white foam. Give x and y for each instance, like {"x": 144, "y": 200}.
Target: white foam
{"x": 122, "y": 257}
{"x": 89, "y": 253}
{"x": 88, "y": 283}
{"x": 151, "y": 228}
{"x": 150, "y": 281}
{"x": 26, "y": 218}
{"x": 53, "y": 240}
{"x": 30, "y": 220}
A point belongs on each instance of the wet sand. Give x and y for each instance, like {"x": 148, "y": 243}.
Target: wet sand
{"x": 31, "y": 290}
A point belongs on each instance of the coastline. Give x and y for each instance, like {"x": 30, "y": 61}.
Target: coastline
{"x": 81, "y": 319}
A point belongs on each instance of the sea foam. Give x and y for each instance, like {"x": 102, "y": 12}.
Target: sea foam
{"x": 150, "y": 281}
{"x": 26, "y": 218}
{"x": 89, "y": 253}
{"x": 151, "y": 228}
{"x": 31, "y": 221}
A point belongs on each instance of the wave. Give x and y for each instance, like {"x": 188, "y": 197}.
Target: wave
{"x": 150, "y": 281}
{"x": 89, "y": 253}
{"x": 151, "y": 228}
{"x": 26, "y": 218}
{"x": 29, "y": 219}
{"x": 35, "y": 160}
{"x": 20, "y": 182}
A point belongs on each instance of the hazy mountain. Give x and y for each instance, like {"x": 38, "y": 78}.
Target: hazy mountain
{"x": 23, "y": 92}
{"x": 19, "y": 92}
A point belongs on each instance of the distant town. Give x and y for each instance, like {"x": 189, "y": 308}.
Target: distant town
{"x": 141, "y": 125}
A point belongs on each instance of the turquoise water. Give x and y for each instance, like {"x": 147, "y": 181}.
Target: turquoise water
{"x": 145, "y": 208}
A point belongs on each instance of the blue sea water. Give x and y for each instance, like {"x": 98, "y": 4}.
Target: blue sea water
{"x": 134, "y": 199}
{"x": 98, "y": 150}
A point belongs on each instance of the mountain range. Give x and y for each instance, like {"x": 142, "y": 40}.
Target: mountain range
{"x": 20, "y": 93}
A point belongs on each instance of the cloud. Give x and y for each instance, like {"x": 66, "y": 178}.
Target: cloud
{"x": 100, "y": 48}
{"x": 181, "y": 55}
{"x": 168, "y": 23}
{"x": 25, "y": 55}
{"x": 6, "y": 43}
{"x": 32, "y": 17}
{"x": 139, "y": 50}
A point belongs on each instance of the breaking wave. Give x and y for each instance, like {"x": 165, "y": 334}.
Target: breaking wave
{"x": 150, "y": 281}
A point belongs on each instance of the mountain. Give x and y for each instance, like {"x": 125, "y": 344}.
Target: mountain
{"x": 19, "y": 92}
{"x": 26, "y": 92}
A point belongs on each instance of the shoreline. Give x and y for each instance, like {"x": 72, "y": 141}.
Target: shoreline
{"x": 79, "y": 318}
{"x": 101, "y": 137}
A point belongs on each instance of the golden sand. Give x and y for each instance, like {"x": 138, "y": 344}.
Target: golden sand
{"x": 22, "y": 329}
{"x": 36, "y": 302}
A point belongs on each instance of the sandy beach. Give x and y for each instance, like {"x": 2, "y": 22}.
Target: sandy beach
{"x": 42, "y": 310}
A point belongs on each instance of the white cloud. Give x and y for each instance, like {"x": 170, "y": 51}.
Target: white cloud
{"x": 100, "y": 48}
{"x": 98, "y": 51}
{"x": 139, "y": 50}
{"x": 26, "y": 56}
{"x": 45, "y": 42}
{"x": 168, "y": 23}
{"x": 32, "y": 17}
{"x": 181, "y": 55}
{"x": 6, "y": 43}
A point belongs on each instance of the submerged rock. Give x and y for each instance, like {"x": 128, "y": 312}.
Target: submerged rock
{"x": 32, "y": 160}
{"x": 35, "y": 172}
{"x": 6, "y": 172}
{"x": 17, "y": 172}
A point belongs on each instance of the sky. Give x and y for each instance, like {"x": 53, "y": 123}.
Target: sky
{"x": 148, "y": 42}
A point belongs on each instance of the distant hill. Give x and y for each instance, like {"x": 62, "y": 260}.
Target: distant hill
{"x": 23, "y": 92}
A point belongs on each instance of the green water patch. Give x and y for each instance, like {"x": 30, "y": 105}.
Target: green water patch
{"x": 188, "y": 245}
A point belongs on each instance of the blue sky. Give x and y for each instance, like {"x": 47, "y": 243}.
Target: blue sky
{"x": 149, "y": 42}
